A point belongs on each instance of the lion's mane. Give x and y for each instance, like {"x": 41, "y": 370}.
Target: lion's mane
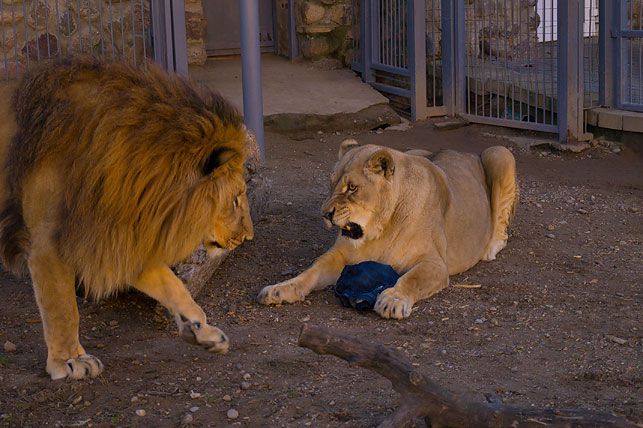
{"x": 134, "y": 149}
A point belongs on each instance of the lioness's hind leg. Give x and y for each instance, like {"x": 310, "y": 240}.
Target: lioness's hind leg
{"x": 160, "y": 283}
{"x": 53, "y": 284}
{"x": 500, "y": 170}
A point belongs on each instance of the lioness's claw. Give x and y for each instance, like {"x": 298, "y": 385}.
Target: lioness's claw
{"x": 279, "y": 293}
{"x": 204, "y": 335}
{"x": 81, "y": 367}
{"x": 393, "y": 304}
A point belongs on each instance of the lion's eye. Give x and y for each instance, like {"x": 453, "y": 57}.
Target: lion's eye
{"x": 352, "y": 188}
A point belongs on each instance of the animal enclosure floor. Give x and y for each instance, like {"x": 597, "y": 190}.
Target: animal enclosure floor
{"x": 556, "y": 321}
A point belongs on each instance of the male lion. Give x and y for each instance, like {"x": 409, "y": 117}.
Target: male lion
{"x": 428, "y": 219}
{"x": 111, "y": 174}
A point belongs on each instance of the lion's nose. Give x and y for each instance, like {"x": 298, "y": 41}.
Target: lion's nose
{"x": 328, "y": 215}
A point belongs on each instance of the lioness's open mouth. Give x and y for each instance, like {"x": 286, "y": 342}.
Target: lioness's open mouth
{"x": 352, "y": 231}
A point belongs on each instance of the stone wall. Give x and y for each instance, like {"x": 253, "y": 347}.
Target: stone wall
{"x": 324, "y": 29}
{"x": 512, "y": 28}
{"x": 34, "y": 29}
{"x": 195, "y": 28}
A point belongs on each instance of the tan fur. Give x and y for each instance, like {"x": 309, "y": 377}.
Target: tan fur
{"x": 112, "y": 174}
{"x": 428, "y": 216}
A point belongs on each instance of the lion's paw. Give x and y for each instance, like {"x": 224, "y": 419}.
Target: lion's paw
{"x": 285, "y": 292}
{"x": 81, "y": 367}
{"x": 210, "y": 338}
{"x": 393, "y": 304}
{"x": 493, "y": 248}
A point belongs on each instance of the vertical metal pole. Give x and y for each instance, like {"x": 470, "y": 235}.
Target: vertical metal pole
{"x": 251, "y": 71}
{"x": 570, "y": 66}
{"x": 459, "y": 54}
{"x": 620, "y": 51}
{"x": 367, "y": 25}
{"x": 169, "y": 36}
{"x": 416, "y": 16}
{"x": 606, "y": 50}
{"x": 179, "y": 38}
{"x": 448, "y": 58}
{"x": 293, "y": 46}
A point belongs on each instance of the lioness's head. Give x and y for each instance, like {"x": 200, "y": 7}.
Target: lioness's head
{"x": 231, "y": 223}
{"x": 362, "y": 192}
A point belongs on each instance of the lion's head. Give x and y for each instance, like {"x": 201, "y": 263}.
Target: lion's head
{"x": 230, "y": 223}
{"x": 363, "y": 193}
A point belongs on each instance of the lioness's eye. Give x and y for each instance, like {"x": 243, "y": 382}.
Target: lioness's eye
{"x": 352, "y": 187}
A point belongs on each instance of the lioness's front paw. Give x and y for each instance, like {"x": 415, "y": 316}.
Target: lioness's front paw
{"x": 493, "y": 248}
{"x": 81, "y": 367}
{"x": 393, "y": 304}
{"x": 210, "y": 338}
{"x": 284, "y": 292}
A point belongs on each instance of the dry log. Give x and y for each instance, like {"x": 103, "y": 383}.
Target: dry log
{"x": 422, "y": 397}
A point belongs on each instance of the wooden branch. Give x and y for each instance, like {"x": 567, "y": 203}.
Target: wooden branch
{"x": 424, "y": 398}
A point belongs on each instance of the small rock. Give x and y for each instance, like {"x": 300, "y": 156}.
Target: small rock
{"x": 194, "y": 409}
{"x": 187, "y": 419}
{"x": 246, "y": 376}
{"x": 113, "y": 323}
{"x": 443, "y": 352}
{"x": 195, "y": 394}
{"x": 494, "y": 322}
{"x": 140, "y": 412}
{"x": 616, "y": 339}
{"x": 479, "y": 320}
{"x": 634, "y": 209}
{"x": 320, "y": 132}
{"x": 245, "y": 385}
{"x": 77, "y": 400}
{"x": 616, "y": 150}
{"x": 551, "y": 227}
{"x": 550, "y": 235}
{"x": 9, "y": 346}
{"x": 198, "y": 379}
{"x": 227, "y": 398}
{"x": 305, "y": 319}
{"x": 134, "y": 399}
{"x": 232, "y": 414}
{"x": 581, "y": 211}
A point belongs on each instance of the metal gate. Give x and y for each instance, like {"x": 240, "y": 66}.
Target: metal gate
{"x": 389, "y": 51}
{"x": 629, "y": 50}
{"x": 137, "y": 30}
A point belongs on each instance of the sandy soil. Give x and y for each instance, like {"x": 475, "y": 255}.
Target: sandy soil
{"x": 556, "y": 322}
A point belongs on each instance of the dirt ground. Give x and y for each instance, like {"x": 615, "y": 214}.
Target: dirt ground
{"x": 556, "y": 322}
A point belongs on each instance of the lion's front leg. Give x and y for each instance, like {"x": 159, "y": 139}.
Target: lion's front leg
{"x": 160, "y": 283}
{"x": 53, "y": 284}
{"x": 324, "y": 272}
{"x": 422, "y": 281}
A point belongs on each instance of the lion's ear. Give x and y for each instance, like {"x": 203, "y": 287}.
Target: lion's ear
{"x": 381, "y": 162}
{"x": 219, "y": 157}
{"x": 346, "y": 146}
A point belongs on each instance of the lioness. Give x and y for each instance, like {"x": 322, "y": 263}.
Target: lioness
{"x": 428, "y": 219}
{"x": 111, "y": 174}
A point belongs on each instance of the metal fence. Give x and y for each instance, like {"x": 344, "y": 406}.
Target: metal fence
{"x": 32, "y": 30}
{"x": 511, "y": 64}
{"x": 630, "y": 18}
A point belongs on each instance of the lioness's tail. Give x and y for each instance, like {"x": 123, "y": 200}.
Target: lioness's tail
{"x": 14, "y": 237}
{"x": 500, "y": 170}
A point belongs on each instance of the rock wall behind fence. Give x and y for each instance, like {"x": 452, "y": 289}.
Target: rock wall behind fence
{"x": 35, "y": 29}
{"x": 499, "y": 28}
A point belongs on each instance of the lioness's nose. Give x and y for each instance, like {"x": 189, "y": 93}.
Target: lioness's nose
{"x": 328, "y": 215}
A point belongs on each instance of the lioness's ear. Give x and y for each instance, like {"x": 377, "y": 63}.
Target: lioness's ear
{"x": 381, "y": 162}
{"x": 217, "y": 158}
{"x": 346, "y": 146}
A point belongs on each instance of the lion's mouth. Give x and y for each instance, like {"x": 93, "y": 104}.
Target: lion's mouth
{"x": 352, "y": 231}
{"x": 213, "y": 244}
